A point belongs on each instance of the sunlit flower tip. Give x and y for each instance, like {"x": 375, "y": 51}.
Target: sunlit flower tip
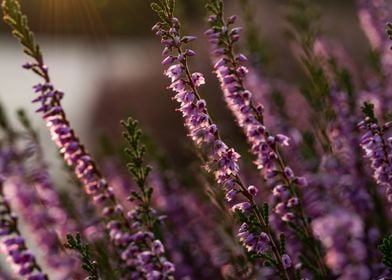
{"x": 231, "y": 19}
{"x": 230, "y": 195}
{"x": 286, "y": 261}
{"x": 212, "y": 18}
{"x": 242, "y": 207}
{"x": 190, "y": 52}
{"x": 174, "y": 72}
{"x": 235, "y": 37}
{"x": 294, "y": 201}
{"x": 241, "y": 58}
{"x": 253, "y": 190}
{"x": 229, "y": 79}
{"x": 209, "y": 32}
{"x": 288, "y": 217}
{"x": 168, "y": 267}
{"x": 168, "y": 60}
{"x": 289, "y": 173}
{"x": 173, "y": 30}
{"x": 165, "y": 51}
{"x": 198, "y": 79}
{"x": 157, "y": 247}
{"x": 270, "y": 174}
{"x": 301, "y": 181}
{"x": 188, "y": 39}
{"x": 28, "y": 65}
{"x": 236, "y": 30}
{"x": 282, "y": 139}
{"x": 387, "y": 125}
{"x": 156, "y": 27}
{"x": 242, "y": 71}
{"x": 279, "y": 190}
{"x": 213, "y": 129}
{"x": 280, "y": 208}
{"x": 220, "y": 62}
{"x": 219, "y": 51}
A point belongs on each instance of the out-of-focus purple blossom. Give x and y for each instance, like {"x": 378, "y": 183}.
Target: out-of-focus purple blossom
{"x": 21, "y": 260}
{"x": 374, "y": 16}
{"x": 342, "y": 234}
{"x": 190, "y": 221}
{"x": 249, "y": 115}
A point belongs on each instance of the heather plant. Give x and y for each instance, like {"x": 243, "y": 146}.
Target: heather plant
{"x": 315, "y": 203}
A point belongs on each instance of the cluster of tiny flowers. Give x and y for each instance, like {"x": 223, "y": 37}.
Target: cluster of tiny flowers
{"x": 43, "y": 224}
{"x": 373, "y": 16}
{"x": 222, "y": 159}
{"x": 95, "y": 185}
{"x": 182, "y": 206}
{"x": 145, "y": 255}
{"x": 343, "y": 136}
{"x": 249, "y": 115}
{"x": 342, "y": 234}
{"x": 378, "y": 150}
{"x": 14, "y": 246}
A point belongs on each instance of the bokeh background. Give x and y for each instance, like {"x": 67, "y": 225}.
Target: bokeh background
{"x": 104, "y": 56}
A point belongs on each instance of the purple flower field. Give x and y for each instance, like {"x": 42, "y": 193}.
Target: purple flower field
{"x": 286, "y": 178}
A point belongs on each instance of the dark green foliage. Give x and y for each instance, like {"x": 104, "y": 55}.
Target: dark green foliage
{"x": 255, "y": 45}
{"x": 215, "y": 7}
{"x": 14, "y": 17}
{"x": 4, "y": 124}
{"x": 164, "y": 9}
{"x": 389, "y": 30}
{"x": 386, "y": 249}
{"x": 368, "y": 111}
{"x": 88, "y": 265}
{"x": 304, "y": 21}
{"x": 136, "y": 151}
{"x": 265, "y": 213}
{"x": 282, "y": 244}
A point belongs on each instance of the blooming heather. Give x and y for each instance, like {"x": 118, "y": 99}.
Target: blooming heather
{"x": 221, "y": 159}
{"x": 342, "y": 234}
{"x": 249, "y": 116}
{"x": 373, "y": 16}
{"x": 377, "y": 147}
{"x": 21, "y": 260}
{"x": 75, "y": 155}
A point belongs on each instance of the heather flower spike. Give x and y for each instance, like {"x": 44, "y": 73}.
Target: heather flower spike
{"x": 14, "y": 245}
{"x": 222, "y": 161}
{"x": 378, "y": 148}
{"x": 73, "y": 152}
{"x": 265, "y": 146}
{"x": 147, "y": 251}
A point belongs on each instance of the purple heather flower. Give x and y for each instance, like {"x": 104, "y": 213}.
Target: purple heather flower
{"x": 248, "y": 116}
{"x": 22, "y": 261}
{"x": 85, "y": 169}
{"x": 222, "y": 160}
{"x": 378, "y": 150}
{"x": 342, "y": 234}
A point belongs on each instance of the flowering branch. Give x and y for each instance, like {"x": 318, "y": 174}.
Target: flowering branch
{"x": 147, "y": 251}
{"x": 72, "y": 150}
{"x": 249, "y": 116}
{"x": 377, "y": 148}
{"x": 14, "y": 245}
{"x": 255, "y": 232}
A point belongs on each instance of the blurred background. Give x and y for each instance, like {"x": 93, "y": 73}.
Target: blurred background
{"x": 104, "y": 56}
